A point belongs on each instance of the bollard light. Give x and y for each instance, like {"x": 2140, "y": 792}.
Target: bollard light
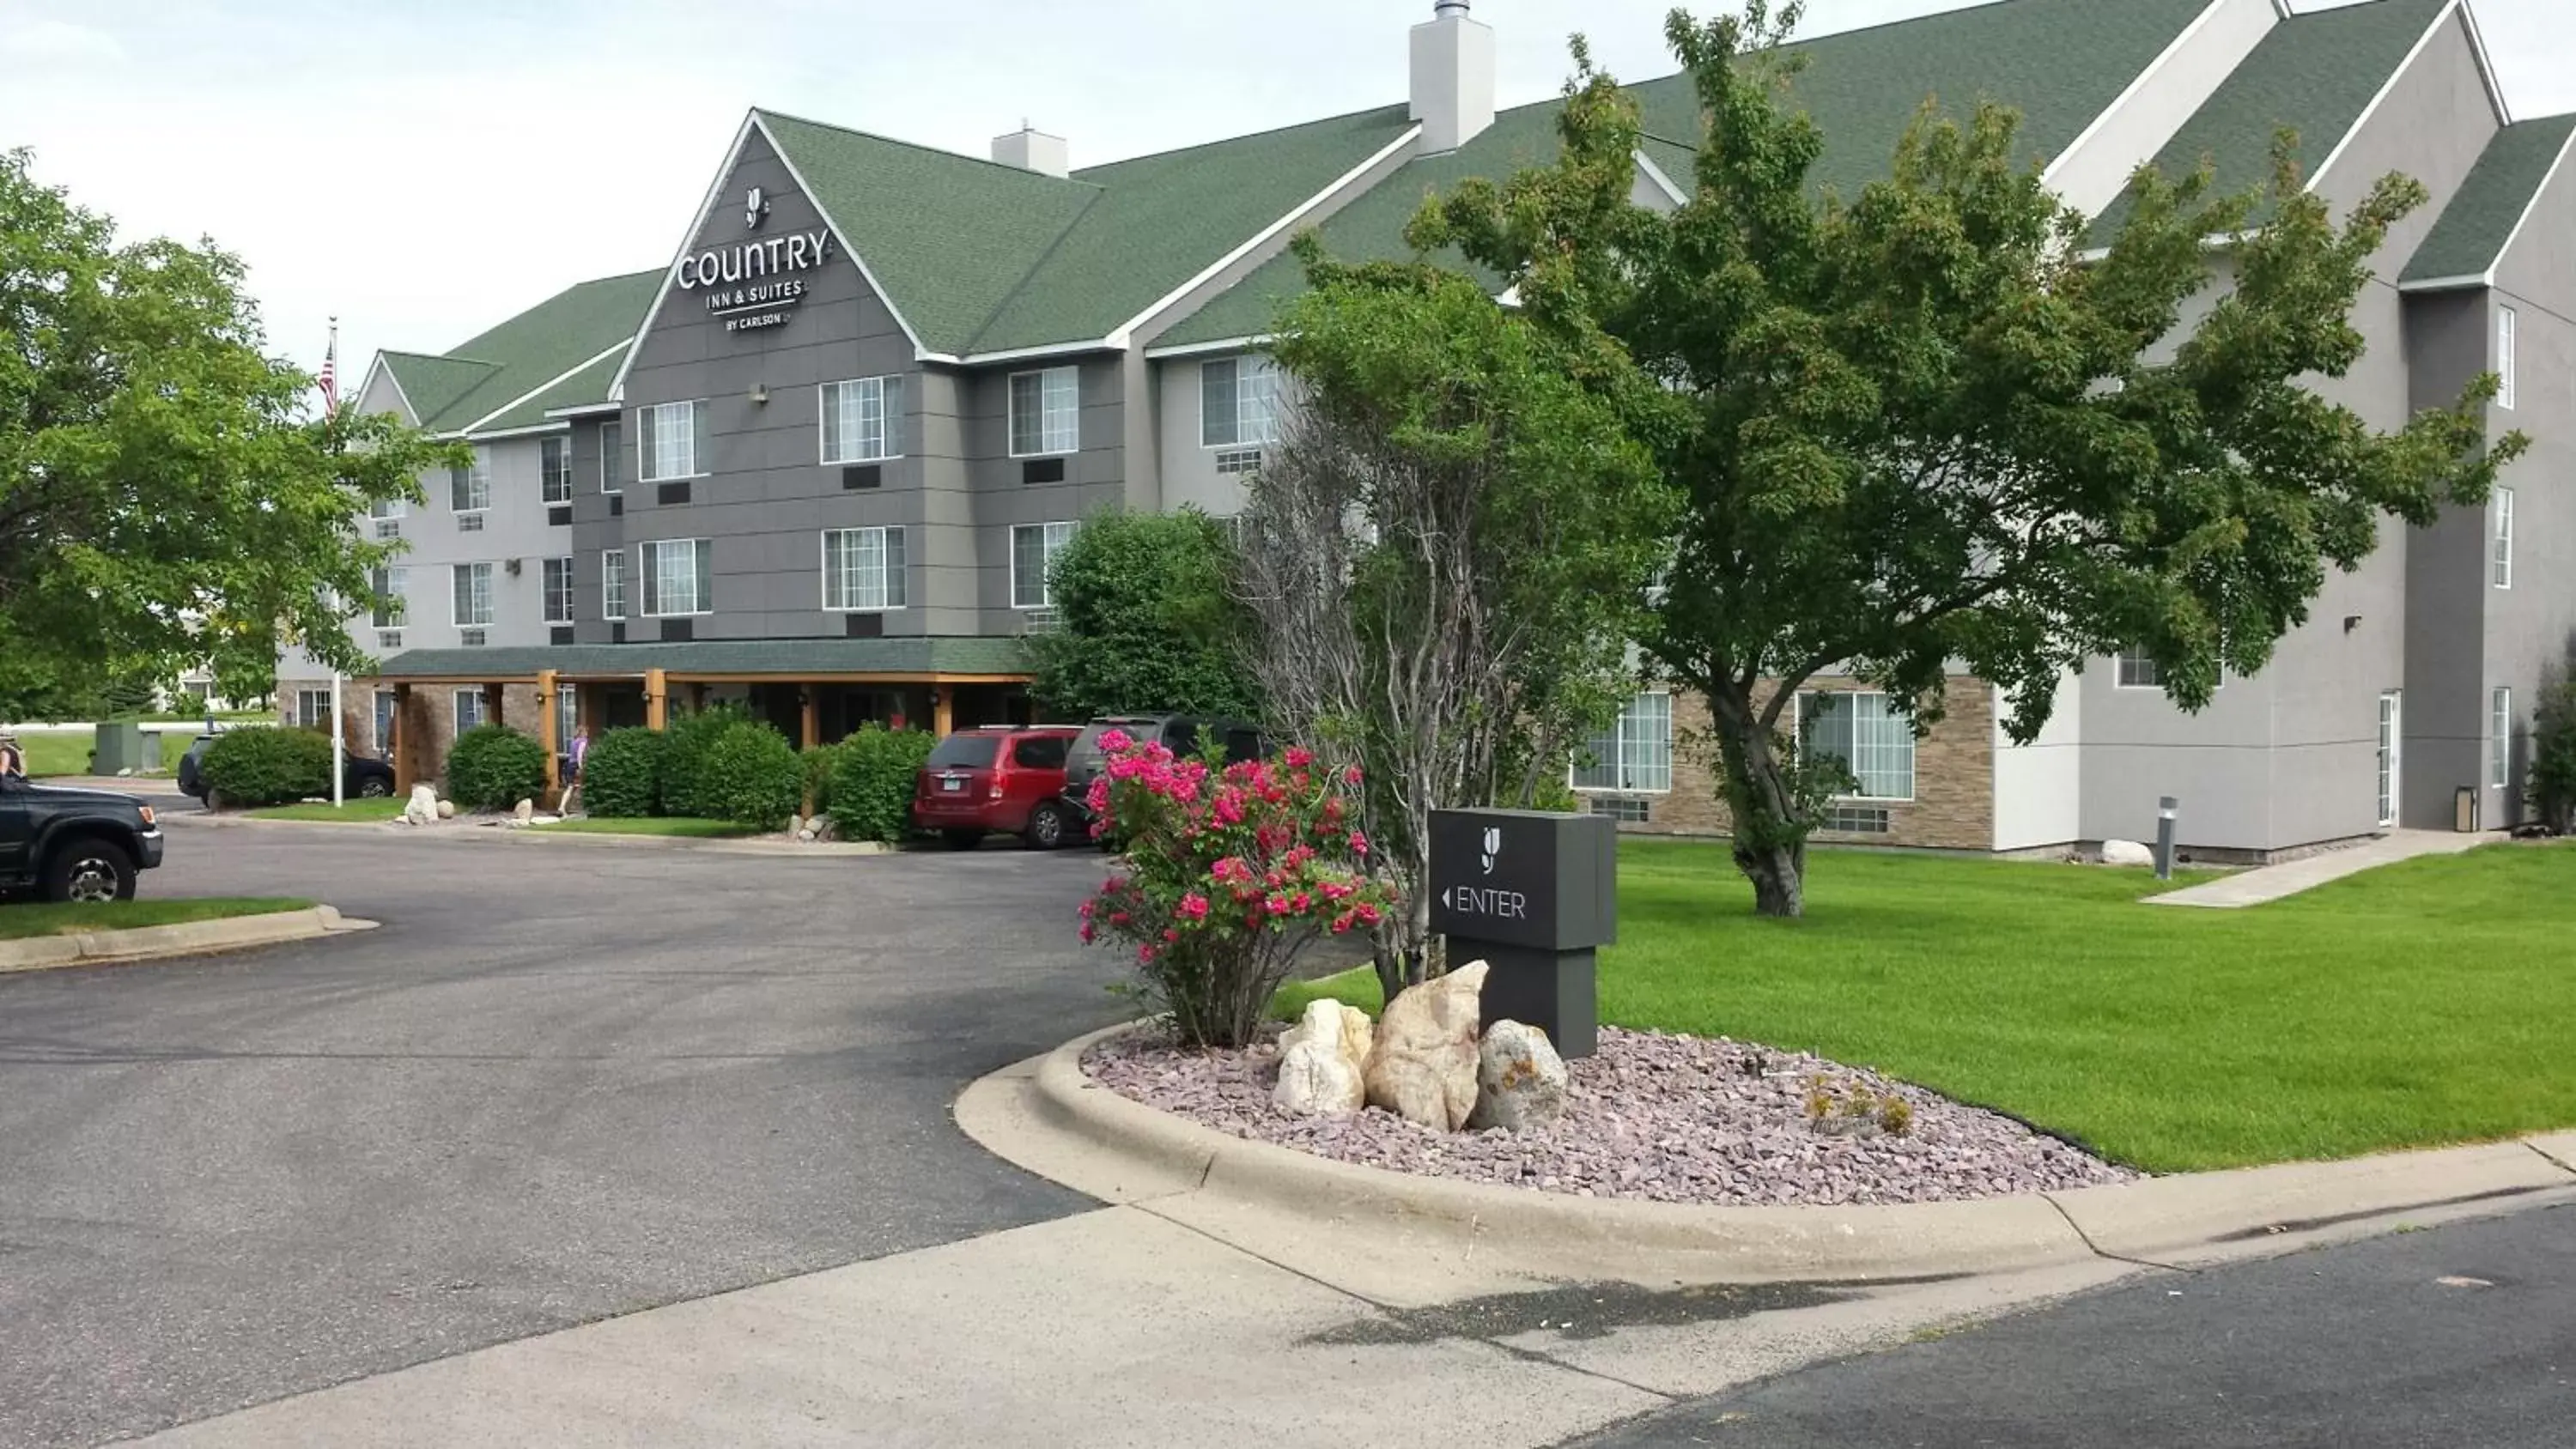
{"x": 2167, "y": 807}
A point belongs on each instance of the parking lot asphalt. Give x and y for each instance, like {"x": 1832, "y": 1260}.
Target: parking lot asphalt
{"x": 560, "y": 1083}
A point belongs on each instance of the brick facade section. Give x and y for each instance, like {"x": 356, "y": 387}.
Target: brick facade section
{"x": 431, "y": 716}
{"x": 1954, "y": 777}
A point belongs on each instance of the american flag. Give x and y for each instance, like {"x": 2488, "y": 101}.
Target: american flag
{"x": 329, "y": 380}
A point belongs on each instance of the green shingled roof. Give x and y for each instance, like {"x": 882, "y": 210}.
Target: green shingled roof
{"x": 552, "y": 338}
{"x": 432, "y": 384}
{"x": 947, "y": 236}
{"x": 2470, "y": 237}
{"x": 2060, "y": 62}
{"x": 2314, "y": 74}
{"x": 590, "y": 385}
{"x": 786, "y": 658}
{"x": 1161, "y": 220}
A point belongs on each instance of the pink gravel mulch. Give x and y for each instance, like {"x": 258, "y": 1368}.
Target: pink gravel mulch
{"x": 1651, "y": 1116}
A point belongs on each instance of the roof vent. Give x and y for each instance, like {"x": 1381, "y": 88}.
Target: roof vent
{"x": 1031, "y": 149}
{"x": 1453, "y": 77}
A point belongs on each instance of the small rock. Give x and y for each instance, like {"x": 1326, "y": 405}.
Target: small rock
{"x": 422, "y": 808}
{"x": 1422, "y": 1066}
{"x": 2126, "y": 852}
{"x": 1520, "y": 1080}
{"x": 1320, "y": 1060}
{"x": 446, "y": 809}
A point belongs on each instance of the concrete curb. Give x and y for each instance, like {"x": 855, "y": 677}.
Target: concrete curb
{"x": 187, "y": 938}
{"x": 1126, "y": 1151}
{"x": 479, "y": 829}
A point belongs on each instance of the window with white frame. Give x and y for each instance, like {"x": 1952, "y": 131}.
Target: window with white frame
{"x": 863, "y": 420}
{"x": 469, "y": 489}
{"x": 1046, "y": 412}
{"x": 2506, "y": 325}
{"x": 2500, "y": 514}
{"x": 471, "y": 587}
{"x": 862, "y": 569}
{"x": 469, "y": 709}
{"x": 1034, "y": 549}
{"x": 671, "y": 441}
{"x": 391, "y": 587}
{"x": 612, "y": 583}
{"x": 313, "y": 709}
{"x": 612, "y": 457}
{"x": 384, "y": 741}
{"x": 2499, "y": 738}
{"x": 554, "y": 470}
{"x": 567, "y": 716}
{"x": 675, "y": 576}
{"x": 2137, "y": 671}
{"x": 559, "y": 591}
{"x": 1238, "y": 402}
{"x": 1870, "y": 736}
{"x": 1634, "y": 755}
{"x": 395, "y": 507}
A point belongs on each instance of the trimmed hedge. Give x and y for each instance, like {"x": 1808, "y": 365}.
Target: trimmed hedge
{"x": 750, "y": 775}
{"x": 493, "y": 767}
{"x": 872, "y": 780}
{"x": 685, "y": 747}
{"x": 622, "y": 773}
{"x": 267, "y": 766}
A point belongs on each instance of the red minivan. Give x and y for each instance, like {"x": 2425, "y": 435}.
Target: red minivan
{"x": 998, "y": 778}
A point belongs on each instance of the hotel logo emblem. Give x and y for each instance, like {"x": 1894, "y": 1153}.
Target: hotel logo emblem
{"x": 753, "y": 209}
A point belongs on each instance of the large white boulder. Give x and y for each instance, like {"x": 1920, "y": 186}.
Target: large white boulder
{"x": 523, "y": 812}
{"x": 446, "y": 809}
{"x": 1321, "y": 1060}
{"x": 1520, "y": 1080}
{"x": 2126, "y": 852}
{"x": 1422, "y": 1067}
{"x": 422, "y": 808}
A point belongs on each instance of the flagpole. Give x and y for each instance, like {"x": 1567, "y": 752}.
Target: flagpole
{"x": 339, "y": 717}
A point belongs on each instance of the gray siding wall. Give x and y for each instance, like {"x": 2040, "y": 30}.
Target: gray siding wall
{"x": 1095, "y": 476}
{"x": 2531, "y": 627}
{"x": 765, "y": 496}
{"x": 2449, "y": 342}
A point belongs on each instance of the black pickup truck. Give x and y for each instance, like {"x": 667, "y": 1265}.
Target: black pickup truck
{"x": 73, "y": 845}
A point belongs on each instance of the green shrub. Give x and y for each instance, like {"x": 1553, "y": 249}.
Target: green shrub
{"x": 2551, "y": 775}
{"x": 493, "y": 767}
{"x": 267, "y": 766}
{"x": 872, "y": 776}
{"x": 750, "y": 775}
{"x": 688, "y": 737}
{"x": 622, "y": 773}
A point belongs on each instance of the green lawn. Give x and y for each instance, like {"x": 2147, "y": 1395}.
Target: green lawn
{"x": 681, "y": 826}
{"x": 2419, "y": 1003}
{"x": 57, "y": 754}
{"x": 22, "y": 920}
{"x": 355, "y": 812}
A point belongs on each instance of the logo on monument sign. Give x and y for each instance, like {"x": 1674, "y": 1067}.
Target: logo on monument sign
{"x": 754, "y": 284}
{"x": 1493, "y": 846}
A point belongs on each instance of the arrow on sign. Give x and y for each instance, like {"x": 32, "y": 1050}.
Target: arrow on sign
{"x": 1444, "y": 896}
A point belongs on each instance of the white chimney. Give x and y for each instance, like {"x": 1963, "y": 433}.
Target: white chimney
{"x": 1031, "y": 149}
{"x": 1453, "y": 77}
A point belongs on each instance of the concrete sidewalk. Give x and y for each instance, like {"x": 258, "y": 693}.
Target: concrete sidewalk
{"x": 1115, "y": 1327}
{"x": 2272, "y": 882}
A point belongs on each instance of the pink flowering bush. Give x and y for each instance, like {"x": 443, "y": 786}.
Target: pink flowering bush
{"x": 1230, "y": 875}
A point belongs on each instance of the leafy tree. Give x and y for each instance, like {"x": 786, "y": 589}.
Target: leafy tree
{"x": 1447, "y": 554}
{"x": 1149, "y": 621}
{"x": 164, "y": 497}
{"x": 1923, "y": 426}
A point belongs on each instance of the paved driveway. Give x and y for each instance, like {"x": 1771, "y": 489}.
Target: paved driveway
{"x": 562, "y": 1082}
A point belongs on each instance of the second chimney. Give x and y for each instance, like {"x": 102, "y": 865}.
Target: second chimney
{"x": 1031, "y": 149}
{"x": 1453, "y": 77}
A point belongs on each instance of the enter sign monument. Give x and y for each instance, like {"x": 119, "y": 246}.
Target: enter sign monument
{"x": 1533, "y": 893}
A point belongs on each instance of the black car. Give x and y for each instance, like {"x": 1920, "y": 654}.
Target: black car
{"x": 1182, "y": 734}
{"x": 73, "y": 845}
{"x": 361, "y": 777}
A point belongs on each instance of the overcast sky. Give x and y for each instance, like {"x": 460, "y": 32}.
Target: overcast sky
{"x": 425, "y": 169}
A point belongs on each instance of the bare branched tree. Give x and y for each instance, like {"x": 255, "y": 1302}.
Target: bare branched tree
{"x": 1445, "y": 557}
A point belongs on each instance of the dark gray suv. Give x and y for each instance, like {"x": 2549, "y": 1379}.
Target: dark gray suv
{"x": 1182, "y": 734}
